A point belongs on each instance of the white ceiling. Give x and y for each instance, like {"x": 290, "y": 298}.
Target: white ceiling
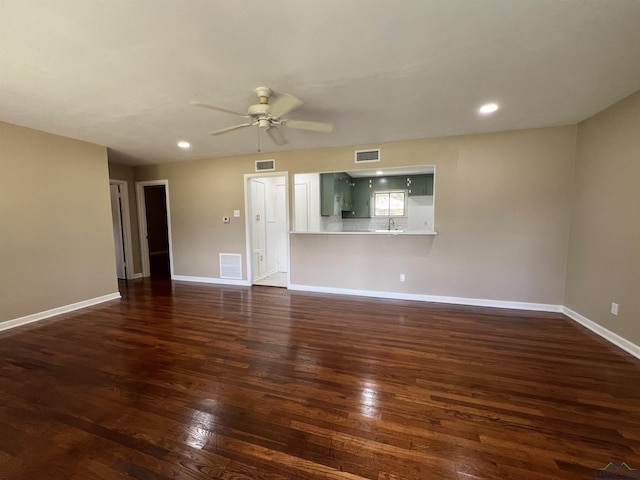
{"x": 121, "y": 73}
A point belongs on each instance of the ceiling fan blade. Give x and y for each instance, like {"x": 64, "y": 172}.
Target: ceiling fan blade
{"x": 230, "y": 129}
{"x": 217, "y": 109}
{"x": 282, "y": 104}
{"x": 304, "y": 125}
{"x": 276, "y": 136}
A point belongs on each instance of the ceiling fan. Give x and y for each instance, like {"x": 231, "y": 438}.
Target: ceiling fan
{"x": 268, "y": 115}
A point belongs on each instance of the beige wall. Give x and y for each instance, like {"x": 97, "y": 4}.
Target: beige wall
{"x": 604, "y": 248}
{"x": 126, "y": 173}
{"x": 200, "y": 194}
{"x": 502, "y": 213}
{"x": 56, "y": 246}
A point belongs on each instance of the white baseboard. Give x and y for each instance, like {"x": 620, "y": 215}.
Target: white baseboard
{"x": 16, "y": 322}
{"x": 614, "y": 338}
{"x": 477, "y": 302}
{"x": 218, "y": 281}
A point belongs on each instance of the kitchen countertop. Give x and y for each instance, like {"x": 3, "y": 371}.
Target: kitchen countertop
{"x": 371, "y": 232}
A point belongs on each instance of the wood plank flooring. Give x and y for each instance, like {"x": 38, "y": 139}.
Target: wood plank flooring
{"x": 188, "y": 381}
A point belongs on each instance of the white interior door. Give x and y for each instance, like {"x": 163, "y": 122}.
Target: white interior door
{"x": 118, "y": 237}
{"x": 258, "y": 229}
{"x": 281, "y": 227}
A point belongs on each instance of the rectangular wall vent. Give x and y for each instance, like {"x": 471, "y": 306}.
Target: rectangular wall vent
{"x": 363, "y": 156}
{"x": 231, "y": 266}
{"x": 265, "y": 165}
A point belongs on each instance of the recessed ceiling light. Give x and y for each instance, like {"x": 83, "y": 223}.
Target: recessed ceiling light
{"x": 379, "y": 172}
{"x": 488, "y": 108}
{"x": 184, "y": 144}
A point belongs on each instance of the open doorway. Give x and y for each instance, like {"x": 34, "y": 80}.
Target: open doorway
{"x": 155, "y": 231}
{"x": 267, "y": 229}
{"x": 121, "y": 228}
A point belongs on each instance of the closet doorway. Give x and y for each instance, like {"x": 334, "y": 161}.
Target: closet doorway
{"x": 155, "y": 228}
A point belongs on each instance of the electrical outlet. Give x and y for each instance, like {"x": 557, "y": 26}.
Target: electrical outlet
{"x": 614, "y": 308}
{"x": 236, "y": 213}
{"x": 402, "y": 277}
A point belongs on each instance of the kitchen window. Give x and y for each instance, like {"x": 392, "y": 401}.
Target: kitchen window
{"x": 390, "y": 203}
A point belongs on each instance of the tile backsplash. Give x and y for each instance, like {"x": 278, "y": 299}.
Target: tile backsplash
{"x": 364, "y": 224}
{"x": 339, "y": 224}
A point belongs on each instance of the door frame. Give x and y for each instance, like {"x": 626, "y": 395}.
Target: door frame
{"x": 247, "y": 218}
{"x": 142, "y": 223}
{"x": 126, "y": 226}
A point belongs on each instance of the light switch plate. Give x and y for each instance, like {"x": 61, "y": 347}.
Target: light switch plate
{"x": 236, "y": 213}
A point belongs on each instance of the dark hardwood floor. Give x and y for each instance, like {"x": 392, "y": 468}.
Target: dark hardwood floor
{"x": 188, "y": 381}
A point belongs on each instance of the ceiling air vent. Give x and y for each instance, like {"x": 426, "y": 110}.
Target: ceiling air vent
{"x": 265, "y": 165}
{"x": 363, "y": 156}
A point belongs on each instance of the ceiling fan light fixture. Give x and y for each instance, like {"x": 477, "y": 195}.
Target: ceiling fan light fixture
{"x": 264, "y": 123}
{"x": 259, "y": 109}
{"x": 263, "y": 94}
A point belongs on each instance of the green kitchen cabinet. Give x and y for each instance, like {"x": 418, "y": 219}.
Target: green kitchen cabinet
{"x": 388, "y": 183}
{"x": 420, "y": 184}
{"x": 343, "y": 186}
{"x": 327, "y": 193}
{"x": 335, "y": 193}
{"x": 351, "y": 197}
{"x": 377, "y": 183}
{"x": 397, "y": 183}
{"x": 360, "y": 199}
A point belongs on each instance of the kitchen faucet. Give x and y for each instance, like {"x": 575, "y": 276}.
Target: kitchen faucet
{"x": 392, "y": 222}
